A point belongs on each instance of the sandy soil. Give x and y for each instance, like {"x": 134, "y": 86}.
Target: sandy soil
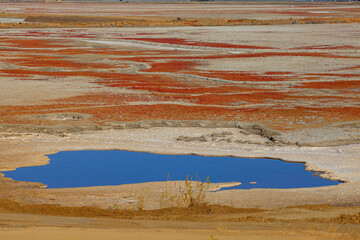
{"x": 287, "y": 91}
{"x": 158, "y": 233}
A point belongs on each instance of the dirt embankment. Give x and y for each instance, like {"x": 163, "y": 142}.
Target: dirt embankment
{"x": 193, "y": 213}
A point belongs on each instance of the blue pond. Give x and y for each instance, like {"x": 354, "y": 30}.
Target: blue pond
{"x": 100, "y": 168}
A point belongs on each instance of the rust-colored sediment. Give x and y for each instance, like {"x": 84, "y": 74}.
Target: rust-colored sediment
{"x": 174, "y": 87}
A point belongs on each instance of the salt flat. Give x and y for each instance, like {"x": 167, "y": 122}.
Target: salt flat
{"x": 187, "y": 74}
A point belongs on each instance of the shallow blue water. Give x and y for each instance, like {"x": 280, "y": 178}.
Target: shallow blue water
{"x": 100, "y": 168}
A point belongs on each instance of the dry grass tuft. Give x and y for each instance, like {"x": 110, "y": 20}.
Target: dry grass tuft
{"x": 193, "y": 193}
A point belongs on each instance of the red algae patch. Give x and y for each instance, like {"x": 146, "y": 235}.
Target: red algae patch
{"x": 179, "y": 41}
{"x": 172, "y": 66}
{"x": 125, "y": 83}
{"x": 328, "y": 47}
{"x": 332, "y": 85}
{"x": 38, "y": 43}
{"x": 43, "y": 61}
{"x": 241, "y": 76}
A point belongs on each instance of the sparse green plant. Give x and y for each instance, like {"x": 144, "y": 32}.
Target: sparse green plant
{"x": 122, "y": 206}
{"x": 193, "y": 193}
{"x": 116, "y": 207}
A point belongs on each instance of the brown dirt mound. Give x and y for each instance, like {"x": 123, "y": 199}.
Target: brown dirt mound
{"x": 191, "y": 213}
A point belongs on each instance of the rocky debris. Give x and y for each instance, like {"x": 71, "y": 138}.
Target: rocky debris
{"x": 251, "y": 131}
{"x": 248, "y": 142}
{"x": 191, "y": 139}
{"x": 60, "y": 116}
{"x": 224, "y": 136}
{"x": 258, "y": 129}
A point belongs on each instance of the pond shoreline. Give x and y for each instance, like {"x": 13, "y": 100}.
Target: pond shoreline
{"x": 111, "y": 167}
{"x": 31, "y": 150}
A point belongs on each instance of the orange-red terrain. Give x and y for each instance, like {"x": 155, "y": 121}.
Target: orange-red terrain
{"x": 170, "y": 84}
{"x": 152, "y": 81}
{"x": 295, "y": 75}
